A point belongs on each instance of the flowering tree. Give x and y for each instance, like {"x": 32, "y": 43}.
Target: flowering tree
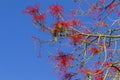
{"x": 89, "y": 35}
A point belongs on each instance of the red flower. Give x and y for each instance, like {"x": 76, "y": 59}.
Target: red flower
{"x": 59, "y": 27}
{"x": 107, "y": 64}
{"x": 111, "y": 6}
{"x": 102, "y": 1}
{"x": 40, "y": 17}
{"x": 98, "y": 71}
{"x": 99, "y": 78}
{"x": 60, "y": 24}
{"x": 98, "y": 62}
{"x": 102, "y": 24}
{"x": 94, "y": 50}
{"x": 84, "y": 71}
{"x": 75, "y": 22}
{"x": 68, "y": 76}
{"x": 31, "y": 10}
{"x": 98, "y": 74}
{"x": 119, "y": 13}
{"x": 63, "y": 61}
{"x": 76, "y": 38}
{"x": 55, "y": 9}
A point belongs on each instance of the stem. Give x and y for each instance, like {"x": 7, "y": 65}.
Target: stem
{"x": 116, "y": 68}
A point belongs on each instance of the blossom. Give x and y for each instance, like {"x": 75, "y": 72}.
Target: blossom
{"x": 87, "y": 72}
{"x": 40, "y": 17}
{"x": 97, "y": 71}
{"x": 119, "y": 13}
{"x": 98, "y": 62}
{"x": 55, "y": 9}
{"x": 63, "y": 61}
{"x": 76, "y": 38}
{"x": 61, "y": 24}
{"x": 94, "y": 50}
{"x": 110, "y": 7}
{"x": 60, "y": 28}
{"x": 102, "y": 24}
{"x": 68, "y": 76}
{"x": 98, "y": 77}
{"x": 31, "y": 10}
{"x": 73, "y": 12}
{"x": 107, "y": 64}
{"x": 75, "y": 22}
{"x": 84, "y": 71}
{"x": 102, "y": 1}
{"x": 98, "y": 74}
{"x": 95, "y": 11}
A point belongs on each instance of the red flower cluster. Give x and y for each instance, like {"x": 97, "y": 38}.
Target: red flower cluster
{"x": 107, "y": 64}
{"x": 39, "y": 17}
{"x": 102, "y": 24}
{"x": 95, "y": 11}
{"x": 68, "y": 76}
{"x": 60, "y": 28}
{"x": 97, "y": 71}
{"x": 75, "y": 22}
{"x": 31, "y": 10}
{"x": 55, "y": 9}
{"x": 98, "y": 62}
{"x": 83, "y": 71}
{"x": 34, "y": 12}
{"x": 111, "y": 6}
{"x": 98, "y": 74}
{"x": 76, "y": 38}
{"x": 102, "y": 1}
{"x": 119, "y": 13}
{"x": 60, "y": 24}
{"x": 64, "y": 61}
{"x": 94, "y": 50}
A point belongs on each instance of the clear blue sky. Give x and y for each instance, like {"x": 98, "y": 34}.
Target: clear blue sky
{"x": 18, "y": 58}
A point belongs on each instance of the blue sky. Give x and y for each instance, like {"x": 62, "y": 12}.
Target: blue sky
{"x": 18, "y": 58}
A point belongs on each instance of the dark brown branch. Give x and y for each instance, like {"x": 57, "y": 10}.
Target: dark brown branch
{"x": 109, "y": 4}
{"x": 118, "y": 69}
